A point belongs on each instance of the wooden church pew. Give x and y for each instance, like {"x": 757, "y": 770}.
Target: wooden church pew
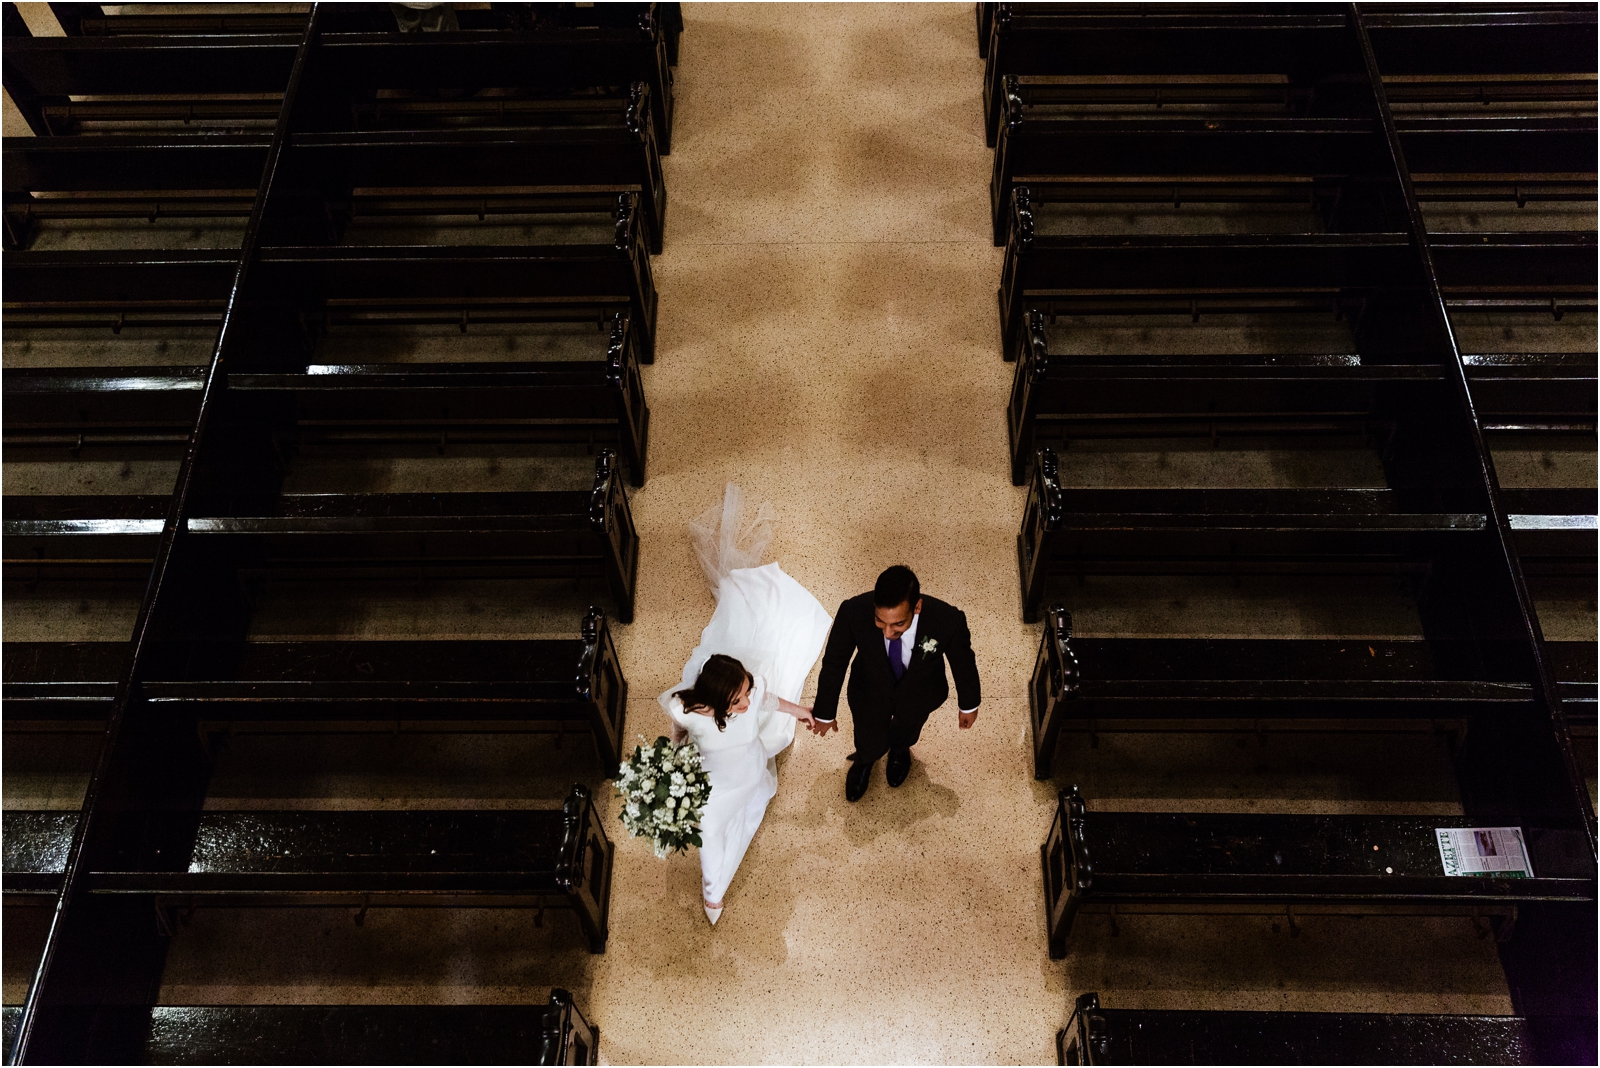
{"x": 555, "y": 1033}
{"x": 600, "y": 268}
{"x": 315, "y": 687}
{"x": 353, "y": 66}
{"x": 561, "y": 150}
{"x": 1076, "y": 532}
{"x": 567, "y": 533}
{"x": 41, "y": 71}
{"x": 1310, "y": 46}
{"x": 1247, "y": 155}
{"x": 1306, "y": 47}
{"x": 1097, "y": 1035}
{"x": 1111, "y": 685}
{"x": 519, "y": 859}
{"x": 1126, "y": 863}
{"x": 1156, "y": 274}
{"x": 117, "y": 410}
{"x": 1066, "y": 397}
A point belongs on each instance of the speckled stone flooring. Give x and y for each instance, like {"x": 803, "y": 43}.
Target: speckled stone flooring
{"x": 828, "y": 340}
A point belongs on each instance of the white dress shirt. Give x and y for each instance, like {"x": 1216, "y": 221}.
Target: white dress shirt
{"x": 908, "y": 642}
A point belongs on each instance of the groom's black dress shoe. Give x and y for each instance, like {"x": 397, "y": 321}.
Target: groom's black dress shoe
{"x": 899, "y": 766}
{"x": 856, "y": 780}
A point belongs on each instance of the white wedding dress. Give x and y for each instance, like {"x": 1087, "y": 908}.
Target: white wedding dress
{"x": 773, "y": 625}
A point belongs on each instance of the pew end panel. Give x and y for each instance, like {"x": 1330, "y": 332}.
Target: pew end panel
{"x": 1042, "y": 516}
{"x": 1027, "y": 385}
{"x": 612, "y": 520}
{"x": 603, "y": 689}
{"x": 1055, "y": 680}
{"x": 569, "y": 1037}
{"x": 1067, "y": 869}
{"x": 585, "y": 867}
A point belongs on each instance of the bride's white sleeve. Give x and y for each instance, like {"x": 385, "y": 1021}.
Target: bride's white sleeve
{"x": 673, "y": 707}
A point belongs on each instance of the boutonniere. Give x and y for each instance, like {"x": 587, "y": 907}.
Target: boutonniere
{"x": 928, "y": 646}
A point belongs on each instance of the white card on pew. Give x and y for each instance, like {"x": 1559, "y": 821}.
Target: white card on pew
{"x": 1484, "y": 851}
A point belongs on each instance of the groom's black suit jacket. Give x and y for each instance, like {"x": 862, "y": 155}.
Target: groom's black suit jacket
{"x": 887, "y": 712}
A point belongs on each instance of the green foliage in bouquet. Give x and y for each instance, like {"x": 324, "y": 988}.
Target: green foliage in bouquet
{"x": 664, "y": 790}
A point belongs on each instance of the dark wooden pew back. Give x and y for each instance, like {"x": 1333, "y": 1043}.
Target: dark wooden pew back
{"x": 1179, "y": 863}
{"x": 532, "y": 858}
{"x": 1097, "y": 1035}
{"x": 335, "y": 686}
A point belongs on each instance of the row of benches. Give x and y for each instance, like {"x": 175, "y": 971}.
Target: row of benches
{"x": 472, "y": 158}
{"x": 593, "y": 266}
{"x": 1368, "y": 277}
{"x": 1354, "y": 176}
{"x": 598, "y": 401}
{"x": 1097, "y": 686}
{"x": 1252, "y": 146}
{"x": 392, "y": 244}
{"x": 556, "y": 532}
{"x": 1310, "y": 46}
{"x": 606, "y": 46}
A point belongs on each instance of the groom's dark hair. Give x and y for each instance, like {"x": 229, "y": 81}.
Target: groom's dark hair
{"x": 897, "y": 586}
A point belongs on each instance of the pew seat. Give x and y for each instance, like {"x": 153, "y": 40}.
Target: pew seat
{"x": 519, "y": 859}
{"x": 590, "y": 268}
{"x": 1100, "y": 686}
{"x": 1060, "y": 397}
{"x": 1079, "y": 532}
{"x": 596, "y": 148}
{"x": 598, "y": 400}
{"x": 1337, "y": 273}
{"x": 555, "y": 1033}
{"x": 430, "y": 686}
{"x": 1124, "y": 863}
{"x": 44, "y": 71}
{"x": 1097, "y": 1035}
{"x": 1309, "y": 49}
{"x": 557, "y": 532}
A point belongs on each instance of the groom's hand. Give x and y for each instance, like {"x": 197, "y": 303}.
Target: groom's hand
{"x": 968, "y": 718}
{"x": 821, "y": 727}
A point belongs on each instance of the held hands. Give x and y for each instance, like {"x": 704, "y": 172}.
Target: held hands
{"x": 821, "y": 727}
{"x": 967, "y": 719}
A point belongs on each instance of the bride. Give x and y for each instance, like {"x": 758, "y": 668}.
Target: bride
{"x": 738, "y": 701}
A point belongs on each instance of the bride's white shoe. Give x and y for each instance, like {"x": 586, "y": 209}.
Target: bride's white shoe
{"x": 713, "y": 914}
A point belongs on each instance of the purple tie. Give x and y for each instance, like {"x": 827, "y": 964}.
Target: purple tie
{"x": 897, "y": 663}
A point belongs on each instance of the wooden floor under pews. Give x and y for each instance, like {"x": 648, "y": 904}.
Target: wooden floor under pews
{"x": 1210, "y": 505}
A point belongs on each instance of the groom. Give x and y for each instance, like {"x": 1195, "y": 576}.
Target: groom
{"x": 899, "y": 640}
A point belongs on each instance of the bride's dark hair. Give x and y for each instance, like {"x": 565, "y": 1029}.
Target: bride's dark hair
{"x": 719, "y": 679}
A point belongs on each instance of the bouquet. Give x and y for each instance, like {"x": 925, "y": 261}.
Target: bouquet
{"x": 664, "y": 790}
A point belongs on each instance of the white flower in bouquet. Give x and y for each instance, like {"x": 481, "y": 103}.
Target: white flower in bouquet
{"x": 665, "y": 790}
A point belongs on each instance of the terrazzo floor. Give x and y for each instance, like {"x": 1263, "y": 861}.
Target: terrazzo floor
{"x": 828, "y": 340}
